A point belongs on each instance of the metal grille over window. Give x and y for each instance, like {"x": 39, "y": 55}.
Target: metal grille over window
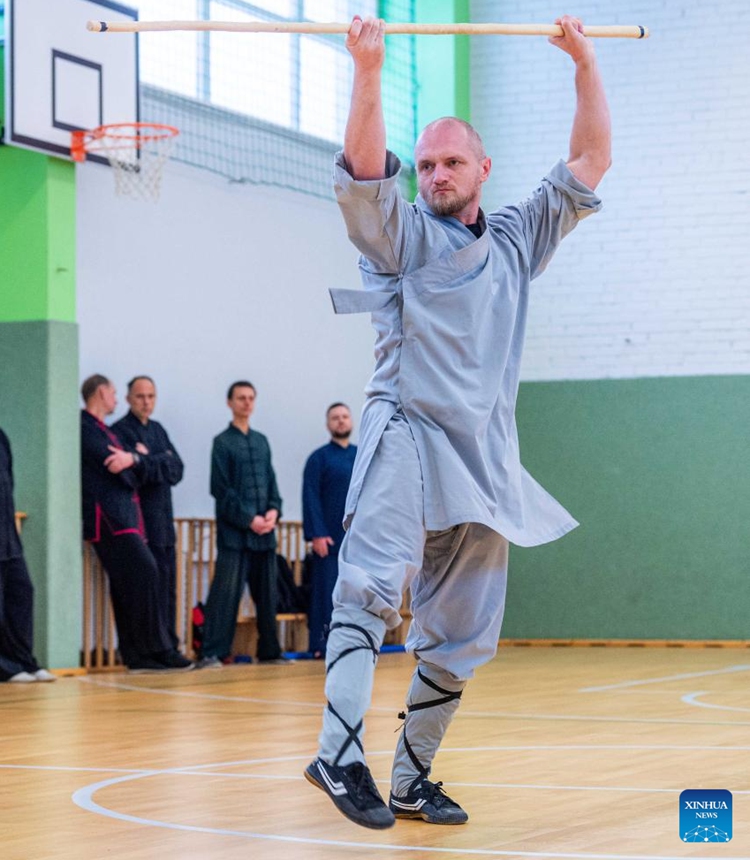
{"x": 267, "y": 108}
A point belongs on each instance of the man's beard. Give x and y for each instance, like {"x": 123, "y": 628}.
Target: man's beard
{"x": 449, "y": 203}
{"x": 341, "y": 434}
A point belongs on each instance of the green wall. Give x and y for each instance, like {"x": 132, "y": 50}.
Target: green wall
{"x": 657, "y": 471}
{"x": 38, "y": 383}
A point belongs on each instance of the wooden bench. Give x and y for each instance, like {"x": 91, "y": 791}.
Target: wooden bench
{"x": 196, "y": 558}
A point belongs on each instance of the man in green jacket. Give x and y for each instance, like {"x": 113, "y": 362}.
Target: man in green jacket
{"x": 248, "y": 505}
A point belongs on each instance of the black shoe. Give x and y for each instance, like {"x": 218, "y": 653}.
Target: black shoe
{"x": 146, "y": 666}
{"x": 353, "y": 790}
{"x": 275, "y": 661}
{"x": 174, "y": 660}
{"x": 429, "y": 802}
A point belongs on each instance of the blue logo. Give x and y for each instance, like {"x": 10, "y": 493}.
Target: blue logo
{"x": 706, "y": 815}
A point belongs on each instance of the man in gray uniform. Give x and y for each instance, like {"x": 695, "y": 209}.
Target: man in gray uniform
{"x": 438, "y": 490}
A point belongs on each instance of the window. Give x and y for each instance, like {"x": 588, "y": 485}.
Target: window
{"x": 267, "y": 108}
{"x": 299, "y": 82}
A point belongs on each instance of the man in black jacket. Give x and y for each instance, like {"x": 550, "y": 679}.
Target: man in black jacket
{"x": 113, "y": 523}
{"x": 248, "y": 505}
{"x": 162, "y": 469}
{"x": 17, "y": 662}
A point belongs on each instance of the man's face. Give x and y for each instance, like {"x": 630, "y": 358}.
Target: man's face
{"x": 339, "y": 423}
{"x": 450, "y": 172}
{"x": 142, "y": 399}
{"x": 108, "y": 396}
{"x": 242, "y": 402}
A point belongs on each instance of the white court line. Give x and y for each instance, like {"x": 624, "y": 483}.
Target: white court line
{"x": 663, "y": 680}
{"x": 84, "y": 799}
{"x": 208, "y": 769}
{"x": 461, "y": 714}
{"x": 77, "y": 769}
{"x": 159, "y": 691}
{"x": 641, "y": 692}
{"x": 548, "y": 747}
{"x": 137, "y": 774}
{"x": 213, "y": 774}
{"x": 597, "y": 719}
{"x": 212, "y": 696}
{"x": 692, "y": 699}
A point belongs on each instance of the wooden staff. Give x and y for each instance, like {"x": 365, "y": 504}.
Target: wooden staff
{"x": 609, "y": 31}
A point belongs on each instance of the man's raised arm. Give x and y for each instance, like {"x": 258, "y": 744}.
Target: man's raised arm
{"x": 364, "y": 141}
{"x": 590, "y": 140}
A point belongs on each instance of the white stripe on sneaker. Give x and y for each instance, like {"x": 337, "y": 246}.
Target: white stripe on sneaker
{"x": 336, "y": 788}
{"x": 412, "y": 807}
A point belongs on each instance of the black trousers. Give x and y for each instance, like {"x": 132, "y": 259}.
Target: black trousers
{"x": 325, "y": 572}
{"x": 16, "y": 619}
{"x": 233, "y": 568}
{"x": 167, "y": 588}
{"x": 133, "y": 587}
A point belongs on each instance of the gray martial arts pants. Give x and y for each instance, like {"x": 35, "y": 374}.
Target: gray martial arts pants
{"x": 458, "y": 580}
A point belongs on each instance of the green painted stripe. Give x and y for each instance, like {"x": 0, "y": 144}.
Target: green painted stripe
{"x": 2, "y": 76}
{"x": 462, "y": 64}
{"x": 37, "y": 236}
{"x": 399, "y": 96}
{"x": 38, "y": 390}
{"x": 657, "y": 471}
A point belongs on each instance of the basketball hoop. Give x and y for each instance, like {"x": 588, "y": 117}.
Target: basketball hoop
{"x": 136, "y": 151}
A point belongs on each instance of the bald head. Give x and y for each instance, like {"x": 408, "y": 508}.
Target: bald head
{"x": 437, "y": 126}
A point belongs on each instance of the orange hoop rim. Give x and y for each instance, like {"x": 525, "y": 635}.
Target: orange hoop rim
{"x": 138, "y": 134}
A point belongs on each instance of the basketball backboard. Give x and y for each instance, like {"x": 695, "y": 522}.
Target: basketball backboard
{"x": 60, "y": 77}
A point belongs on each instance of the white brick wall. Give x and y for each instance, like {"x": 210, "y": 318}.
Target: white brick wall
{"x": 657, "y": 283}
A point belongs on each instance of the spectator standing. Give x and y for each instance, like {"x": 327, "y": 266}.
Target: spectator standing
{"x": 327, "y": 474}
{"x": 17, "y": 662}
{"x": 162, "y": 468}
{"x": 113, "y": 523}
{"x": 248, "y": 506}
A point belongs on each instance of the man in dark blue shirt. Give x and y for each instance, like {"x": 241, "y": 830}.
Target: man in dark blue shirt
{"x": 248, "y": 505}
{"x": 162, "y": 469}
{"x": 328, "y": 472}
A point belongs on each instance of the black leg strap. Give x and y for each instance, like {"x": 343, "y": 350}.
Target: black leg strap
{"x": 352, "y": 733}
{"x": 422, "y": 771}
{"x": 368, "y": 646}
{"x": 447, "y": 696}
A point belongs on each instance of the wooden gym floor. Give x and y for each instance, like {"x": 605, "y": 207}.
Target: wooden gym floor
{"x": 555, "y": 753}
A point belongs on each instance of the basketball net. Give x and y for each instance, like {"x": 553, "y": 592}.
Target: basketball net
{"x": 137, "y": 153}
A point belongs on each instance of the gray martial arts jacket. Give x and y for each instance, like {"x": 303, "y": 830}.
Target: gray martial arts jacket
{"x": 450, "y": 312}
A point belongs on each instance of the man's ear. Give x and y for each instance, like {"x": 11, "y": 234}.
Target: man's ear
{"x": 486, "y": 168}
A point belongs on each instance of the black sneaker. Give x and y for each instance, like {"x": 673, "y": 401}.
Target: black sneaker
{"x": 429, "y": 802}
{"x": 353, "y": 790}
{"x": 174, "y": 660}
